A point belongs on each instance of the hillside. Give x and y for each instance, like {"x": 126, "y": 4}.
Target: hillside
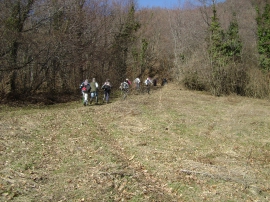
{"x": 171, "y": 145}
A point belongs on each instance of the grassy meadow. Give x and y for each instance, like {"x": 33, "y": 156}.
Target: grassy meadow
{"x": 171, "y": 145}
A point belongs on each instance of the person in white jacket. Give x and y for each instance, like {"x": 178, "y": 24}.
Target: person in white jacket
{"x": 137, "y": 82}
{"x": 148, "y": 83}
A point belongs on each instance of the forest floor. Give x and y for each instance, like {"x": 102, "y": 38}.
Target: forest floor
{"x": 171, "y": 145}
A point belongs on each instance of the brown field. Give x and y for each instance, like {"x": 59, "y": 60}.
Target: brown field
{"x": 171, "y": 145}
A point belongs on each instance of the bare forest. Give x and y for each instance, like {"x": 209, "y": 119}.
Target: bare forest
{"x": 204, "y": 136}
{"x": 49, "y": 47}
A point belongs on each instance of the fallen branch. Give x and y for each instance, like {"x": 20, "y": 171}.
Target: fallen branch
{"x": 189, "y": 172}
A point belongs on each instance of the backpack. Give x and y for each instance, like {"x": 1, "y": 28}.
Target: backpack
{"x": 86, "y": 88}
{"x": 106, "y": 87}
{"x": 124, "y": 85}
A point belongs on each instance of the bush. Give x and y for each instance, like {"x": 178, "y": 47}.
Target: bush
{"x": 193, "y": 82}
{"x": 258, "y": 84}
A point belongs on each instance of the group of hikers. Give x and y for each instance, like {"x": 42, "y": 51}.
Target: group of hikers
{"x": 92, "y": 88}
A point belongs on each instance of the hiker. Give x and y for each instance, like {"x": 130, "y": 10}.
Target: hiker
{"x": 128, "y": 81}
{"x": 154, "y": 82}
{"x": 164, "y": 81}
{"x": 107, "y": 90}
{"x": 137, "y": 82}
{"x": 148, "y": 83}
{"x": 85, "y": 88}
{"x": 124, "y": 86}
{"x": 94, "y": 91}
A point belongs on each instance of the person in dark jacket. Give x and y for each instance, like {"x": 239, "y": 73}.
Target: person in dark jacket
{"x": 107, "y": 90}
{"x": 85, "y": 88}
{"x": 164, "y": 82}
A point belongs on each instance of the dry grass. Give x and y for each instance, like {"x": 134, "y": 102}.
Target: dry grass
{"x": 171, "y": 145}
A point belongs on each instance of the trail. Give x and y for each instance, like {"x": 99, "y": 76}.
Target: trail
{"x": 118, "y": 110}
